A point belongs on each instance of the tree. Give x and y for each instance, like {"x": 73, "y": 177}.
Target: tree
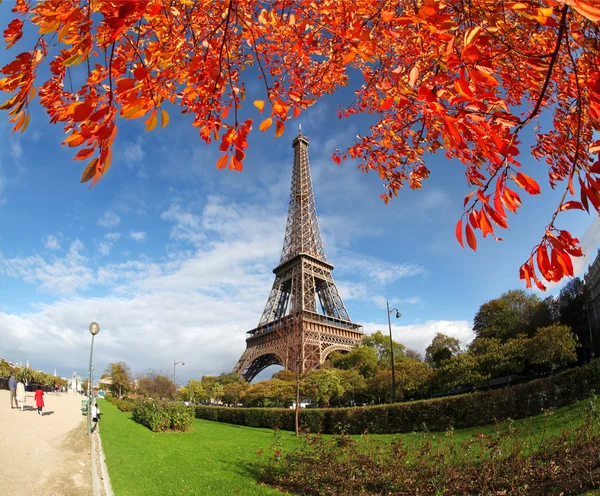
{"x": 196, "y": 391}
{"x": 360, "y": 358}
{"x": 121, "y": 378}
{"x": 552, "y": 347}
{"x": 497, "y": 358}
{"x": 381, "y": 344}
{"x": 157, "y": 385}
{"x": 442, "y": 348}
{"x": 234, "y": 391}
{"x": 459, "y": 371}
{"x": 354, "y": 385}
{"x": 464, "y": 78}
{"x": 572, "y": 304}
{"x": 323, "y": 385}
{"x": 515, "y": 312}
{"x": 216, "y": 392}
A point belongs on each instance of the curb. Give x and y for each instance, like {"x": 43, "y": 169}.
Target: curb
{"x": 100, "y": 483}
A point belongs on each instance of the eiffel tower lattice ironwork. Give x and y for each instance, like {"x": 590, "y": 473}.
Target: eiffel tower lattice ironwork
{"x": 304, "y": 319}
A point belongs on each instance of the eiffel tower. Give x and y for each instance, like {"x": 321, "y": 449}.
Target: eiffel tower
{"x": 304, "y": 319}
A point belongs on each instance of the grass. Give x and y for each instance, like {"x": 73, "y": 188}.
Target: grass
{"x": 218, "y": 459}
{"x": 211, "y": 459}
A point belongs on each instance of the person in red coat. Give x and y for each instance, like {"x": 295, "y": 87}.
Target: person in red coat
{"x": 39, "y": 399}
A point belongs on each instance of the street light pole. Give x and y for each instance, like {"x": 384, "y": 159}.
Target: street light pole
{"x": 176, "y": 363}
{"x": 94, "y": 329}
{"x": 398, "y": 315}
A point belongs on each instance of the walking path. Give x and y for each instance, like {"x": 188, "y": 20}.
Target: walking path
{"x": 48, "y": 455}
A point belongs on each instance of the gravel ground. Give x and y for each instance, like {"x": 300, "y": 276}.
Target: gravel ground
{"x": 48, "y": 455}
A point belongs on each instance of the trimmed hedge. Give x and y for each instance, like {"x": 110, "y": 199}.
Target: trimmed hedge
{"x": 468, "y": 410}
{"x": 162, "y": 416}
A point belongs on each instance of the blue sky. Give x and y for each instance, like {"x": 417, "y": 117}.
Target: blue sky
{"x": 174, "y": 258}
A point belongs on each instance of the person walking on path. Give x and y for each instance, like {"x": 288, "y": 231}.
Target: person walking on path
{"x": 21, "y": 395}
{"x": 39, "y": 399}
{"x": 12, "y": 385}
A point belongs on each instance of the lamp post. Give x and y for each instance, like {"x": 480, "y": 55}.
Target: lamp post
{"x": 398, "y": 315}
{"x": 176, "y": 363}
{"x": 94, "y": 329}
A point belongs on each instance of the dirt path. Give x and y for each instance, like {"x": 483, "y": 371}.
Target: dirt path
{"x": 48, "y": 455}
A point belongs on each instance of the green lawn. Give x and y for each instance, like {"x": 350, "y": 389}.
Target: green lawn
{"x": 216, "y": 458}
{"x": 212, "y": 459}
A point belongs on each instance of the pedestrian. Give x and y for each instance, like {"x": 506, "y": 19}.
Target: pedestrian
{"x": 21, "y": 395}
{"x": 95, "y": 413}
{"x": 12, "y": 385}
{"x": 39, "y": 399}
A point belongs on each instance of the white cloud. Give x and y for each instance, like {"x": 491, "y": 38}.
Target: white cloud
{"x": 377, "y": 270}
{"x": 15, "y": 149}
{"x": 51, "y": 242}
{"x": 419, "y": 336}
{"x": 187, "y": 225}
{"x": 138, "y": 236}
{"x": 60, "y": 275}
{"x": 105, "y": 246}
{"x": 133, "y": 152}
{"x": 109, "y": 219}
{"x": 590, "y": 241}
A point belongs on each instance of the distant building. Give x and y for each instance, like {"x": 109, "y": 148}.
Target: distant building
{"x": 592, "y": 281}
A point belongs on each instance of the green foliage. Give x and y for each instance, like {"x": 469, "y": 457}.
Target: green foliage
{"x": 553, "y": 347}
{"x": 496, "y": 358}
{"x": 515, "y": 312}
{"x": 159, "y": 387}
{"x": 163, "y": 416}
{"x": 364, "y": 359}
{"x": 459, "y": 371}
{"x": 234, "y": 391}
{"x": 321, "y": 386}
{"x": 121, "y": 378}
{"x": 270, "y": 393}
{"x": 381, "y": 344}
{"x": 500, "y": 463}
{"x": 462, "y": 411}
{"x": 196, "y": 392}
{"x": 442, "y": 348}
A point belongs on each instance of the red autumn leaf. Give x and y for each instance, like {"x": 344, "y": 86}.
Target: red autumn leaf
{"x": 222, "y": 162}
{"x": 459, "y": 235}
{"x": 471, "y": 239}
{"x": 570, "y": 205}
{"x": 279, "y": 128}
{"x": 527, "y": 183}
{"x": 83, "y": 154}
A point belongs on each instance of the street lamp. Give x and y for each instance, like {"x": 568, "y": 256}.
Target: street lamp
{"x": 398, "y": 315}
{"x": 94, "y": 329}
{"x": 176, "y": 363}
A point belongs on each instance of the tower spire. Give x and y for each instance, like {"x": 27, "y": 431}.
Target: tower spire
{"x": 304, "y": 296}
{"x": 302, "y": 234}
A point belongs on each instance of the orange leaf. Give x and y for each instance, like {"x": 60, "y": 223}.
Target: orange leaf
{"x": 260, "y": 105}
{"x": 527, "y": 183}
{"x": 222, "y": 162}
{"x": 471, "y": 239}
{"x": 297, "y": 111}
{"x": 525, "y": 273}
{"x": 90, "y": 171}
{"x": 151, "y": 121}
{"x": 83, "y": 154}
{"x": 266, "y": 124}
{"x": 386, "y": 104}
{"x": 164, "y": 118}
{"x": 387, "y": 15}
{"x": 459, "y": 235}
{"x": 279, "y": 129}
{"x": 486, "y": 227}
{"x": 349, "y": 57}
{"x": 414, "y": 74}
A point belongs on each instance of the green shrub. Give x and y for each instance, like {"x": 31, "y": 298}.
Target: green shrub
{"x": 162, "y": 416}
{"x": 502, "y": 462}
{"x": 468, "y": 410}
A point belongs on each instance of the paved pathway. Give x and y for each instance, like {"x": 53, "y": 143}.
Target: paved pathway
{"x": 48, "y": 455}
